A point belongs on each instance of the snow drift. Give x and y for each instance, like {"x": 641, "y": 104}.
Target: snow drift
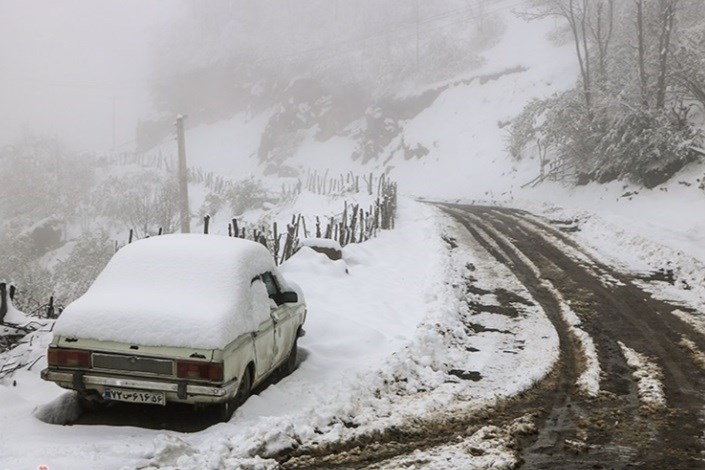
{"x": 173, "y": 290}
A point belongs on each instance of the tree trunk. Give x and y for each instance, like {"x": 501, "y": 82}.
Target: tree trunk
{"x": 643, "y": 80}
{"x": 584, "y": 71}
{"x": 669, "y": 7}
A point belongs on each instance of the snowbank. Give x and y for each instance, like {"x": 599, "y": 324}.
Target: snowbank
{"x": 648, "y": 376}
{"x": 172, "y": 290}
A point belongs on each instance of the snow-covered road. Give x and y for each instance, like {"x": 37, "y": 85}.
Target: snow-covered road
{"x": 479, "y": 337}
{"x": 643, "y": 361}
{"x": 406, "y": 326}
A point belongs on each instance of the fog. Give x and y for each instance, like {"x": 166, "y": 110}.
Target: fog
{"x": 86, "y": 72}
{"x": 68, "y": 66}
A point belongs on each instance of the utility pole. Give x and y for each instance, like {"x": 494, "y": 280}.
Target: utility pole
{"x": 185, "y": 214}
{"x": 113, "y": 123}
{"x": 418, "y": 20}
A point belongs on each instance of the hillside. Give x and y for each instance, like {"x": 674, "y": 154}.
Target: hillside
{"x": 452, "y": 144}
{"x": 419, "y": 135}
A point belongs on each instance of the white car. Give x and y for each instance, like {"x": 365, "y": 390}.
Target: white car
{"x": 198, "y": 319}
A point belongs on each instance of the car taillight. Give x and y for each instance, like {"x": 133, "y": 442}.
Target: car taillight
{"x": 199, "y": 370}
{"x": 61, "y": 357}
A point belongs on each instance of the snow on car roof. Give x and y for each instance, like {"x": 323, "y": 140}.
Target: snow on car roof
{"x": 182, "y": 290}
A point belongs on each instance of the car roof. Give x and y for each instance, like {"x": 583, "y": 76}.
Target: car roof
{"x": 188, "y": 290}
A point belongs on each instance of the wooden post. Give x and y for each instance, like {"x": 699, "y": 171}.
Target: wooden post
{"x": 132, "y": 233}
{"x": 184, "y": 212}
{"x": 50, "y": 308}
{"x": 3, "y": 301}
{"x": 275, "y": 243}
{"x": 303, "y": 225}
{"x": 206, "y": 223}
{"x": 297, "y": 223}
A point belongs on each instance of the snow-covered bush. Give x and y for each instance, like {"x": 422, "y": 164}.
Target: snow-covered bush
{"x": 143, "y": 201}
{"x": 631, "y": 113}
{"x": 20, "y": 265}
{"x": 523, "y": 129}
{"x": 74, "y": 275}
{"x": 246, "y": 194}
{"x": 645, "y": 146}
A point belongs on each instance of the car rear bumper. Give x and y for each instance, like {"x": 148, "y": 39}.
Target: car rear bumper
{"x": 175, "y": 390}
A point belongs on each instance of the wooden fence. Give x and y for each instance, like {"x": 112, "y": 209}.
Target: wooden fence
{"x": 325, "y": 184}
{"x": 354, "y": 225}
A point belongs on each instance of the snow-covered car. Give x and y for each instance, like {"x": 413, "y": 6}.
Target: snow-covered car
{"x": 198, "y": 319}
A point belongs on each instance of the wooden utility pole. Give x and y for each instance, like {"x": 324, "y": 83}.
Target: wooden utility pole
{"x": 185, "y": 214}
{"x": 113, "y": 123}
{"x": 418, "y": 33}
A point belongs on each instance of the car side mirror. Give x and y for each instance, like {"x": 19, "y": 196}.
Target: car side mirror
{"x": 286, "y": 298}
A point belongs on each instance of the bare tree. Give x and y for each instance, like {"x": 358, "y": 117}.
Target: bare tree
{"x": 575, "y": 12}
{"x": 668, "y": 13}
{"x": 641, "y": 47}
{"x": 601, "y": 28}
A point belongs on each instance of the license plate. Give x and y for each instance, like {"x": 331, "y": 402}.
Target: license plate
{"x": 135, "y": 396}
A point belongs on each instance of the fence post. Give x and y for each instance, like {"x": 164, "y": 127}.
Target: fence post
{"x": 3, "y": 301}
{"x": 206, "y": 223}
{"x": 275, "y": 243}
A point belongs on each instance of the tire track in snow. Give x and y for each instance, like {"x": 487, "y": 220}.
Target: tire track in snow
{"x": 573, "y": 430}
{"x": 589, "y": 379}
{"x": 619, "y": 311}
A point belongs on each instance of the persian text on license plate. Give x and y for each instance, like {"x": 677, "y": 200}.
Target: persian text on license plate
{"x": 135, "y": 396}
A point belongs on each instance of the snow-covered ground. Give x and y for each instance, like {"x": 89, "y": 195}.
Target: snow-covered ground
{"x": 392, "y": 331}
{"x": 640, "y": 231}
{"x": 648, "y": 375}
{"x": 387, "y": 341}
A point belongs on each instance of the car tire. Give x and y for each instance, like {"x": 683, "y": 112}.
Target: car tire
{"x": 91, "y": 401}
{"x": 226, "y": 409}
{"x": 289, "y": 365}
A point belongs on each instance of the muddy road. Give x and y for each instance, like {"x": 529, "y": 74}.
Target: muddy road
{"x": 615, "y": 429}
{"x": 619, "y": 427}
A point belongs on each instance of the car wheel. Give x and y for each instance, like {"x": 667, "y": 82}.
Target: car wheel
{"x": 227, "y": 408}
{"x": 289, "y": 365}
{"x": 89, "y": 401}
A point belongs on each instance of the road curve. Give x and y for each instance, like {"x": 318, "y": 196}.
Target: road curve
{"x": 616, "y": 427}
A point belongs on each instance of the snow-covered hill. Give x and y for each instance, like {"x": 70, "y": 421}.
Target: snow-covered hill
{"x": 454, "y": 148}
{"x": 457, "y": 125}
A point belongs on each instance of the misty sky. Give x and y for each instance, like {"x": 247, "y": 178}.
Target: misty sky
{"x": 64, "y": 63}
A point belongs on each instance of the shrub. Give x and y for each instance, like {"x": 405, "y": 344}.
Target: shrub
{"x": 143, "y": 201}
{"x": 645, "y": 146}
{"x": 245, "y": 195}
{"x": 74, "y": 275}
